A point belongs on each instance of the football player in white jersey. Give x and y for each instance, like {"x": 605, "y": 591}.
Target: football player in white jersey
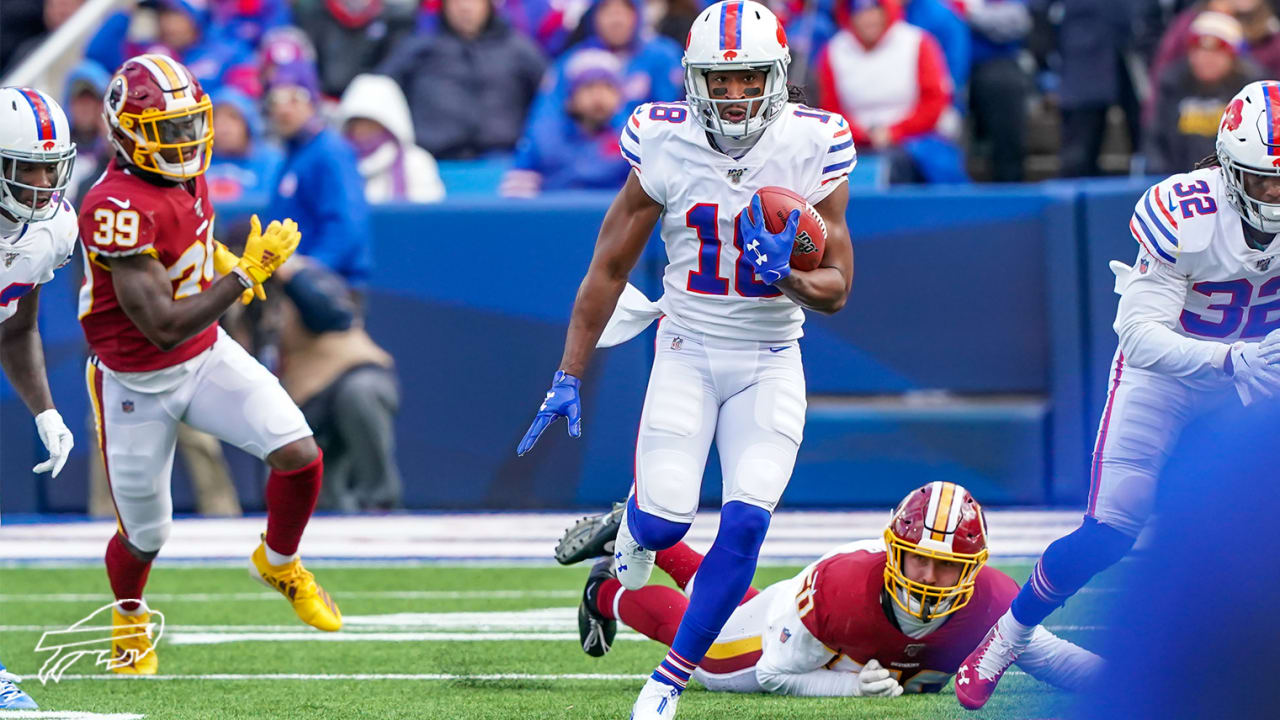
{"x": 728, "y": 364}
{"x": 1199, "y": 314}
{"x": 37, "y": 236}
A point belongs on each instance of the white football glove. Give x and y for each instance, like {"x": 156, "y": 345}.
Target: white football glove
{"x": 57, "y": 440}
{"x": 1254, "y": 377}
{"x": 875, "y": 681}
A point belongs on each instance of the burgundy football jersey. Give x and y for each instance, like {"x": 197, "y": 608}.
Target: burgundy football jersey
{"x": 840, "y": 604}
{"x": 123, "y": 215}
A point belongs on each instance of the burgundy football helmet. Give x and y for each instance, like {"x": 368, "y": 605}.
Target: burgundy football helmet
{"x": 159, "y": 117}
{"x": 940, "y": 520}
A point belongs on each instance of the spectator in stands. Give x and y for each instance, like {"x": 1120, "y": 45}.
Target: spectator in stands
{"x": 246, "y": 21}
{"x": 940, "y": 20}
{"x": 543, "y": 21}
{"x": 182, "y": 29}
{"x": 86, "y": 84}
{"x": 319, "y": 185}
{"x": 890, "y": 80}
{"x": 998, "y": 85}
{"x": 20, "y": 20}
{"x": 52, "y": 16}
{"x": 344, "y": 383}
{"x": 1261, "y": 33}
{"x": 1094, "y": 36}
{"x": 280, "y": 46}
{"x": 469, "y": 83}
{"x": 1193, "y": 93}
{"x": 676, "y": 18}
{"x": 651, "y": 65}
{"x": 245, "y": 165}
{"x": 579, "y": 148}
{"x": 352, "y": 36}
{"x": 1176, "y": 38}
{"x": 374, "y": 117}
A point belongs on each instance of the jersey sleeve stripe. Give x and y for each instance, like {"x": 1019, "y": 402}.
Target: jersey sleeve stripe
{"x": 841, "y": 146}
{"x": 631, "y": 134}
{"x": 635, "y": 159}
{"x": 1164, "y": 210}
{"x": 837, "y": 166}
{"x": 1143, "y": 237}
{"x": 1155, "y": 220}
{"x": 841, "y": 133}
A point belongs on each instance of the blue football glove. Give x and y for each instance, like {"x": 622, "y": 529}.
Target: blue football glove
{"x": 768, "y": 253}
{"x": 562, "y": 401}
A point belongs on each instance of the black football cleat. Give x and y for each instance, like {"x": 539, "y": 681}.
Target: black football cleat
{"x": 595, "y": 631}
{"x": 590, "y": 537}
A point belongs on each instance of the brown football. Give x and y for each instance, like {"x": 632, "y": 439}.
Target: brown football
{"x": 811, "y": 234}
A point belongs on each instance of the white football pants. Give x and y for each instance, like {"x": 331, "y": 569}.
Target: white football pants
{"x": 746, "y": 395}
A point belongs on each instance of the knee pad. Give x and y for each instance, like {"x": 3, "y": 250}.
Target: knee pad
{"x": 145, "y": 556}
{"x": 742, "y": 528}
{"x": 651, "y": 531}
{"x": 147, "y": 540}
{"x": 1075, "y": 558}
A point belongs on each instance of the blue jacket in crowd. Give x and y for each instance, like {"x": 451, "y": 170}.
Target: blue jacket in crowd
{"x": 568, "y": 158}
{"x": 951, "y": 32}
{"x": 244, "y": 178}
{"x": 320, "y": 188}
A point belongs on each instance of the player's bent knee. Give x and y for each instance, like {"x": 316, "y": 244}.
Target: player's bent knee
{"x": 742, "y": 527}
{"x": 147, "y": 540}
{"x": 294, "y": 456}
{"x": 141, "y": 555}
{"x": 1072, "y": 560}
{"x": 651, "y": 531}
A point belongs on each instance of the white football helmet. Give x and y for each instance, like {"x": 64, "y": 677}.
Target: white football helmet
{"x": 736, "y": 35}
{"x": 33, "y": 129}
{"x": 1249, "y": 145}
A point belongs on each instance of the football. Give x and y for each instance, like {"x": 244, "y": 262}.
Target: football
{"x": 811, "y": 234}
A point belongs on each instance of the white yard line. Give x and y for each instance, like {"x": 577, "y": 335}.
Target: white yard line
{"x": 236, "y": 677}
{"x": 275, "y": 597}
{"x": 65, "y": 715}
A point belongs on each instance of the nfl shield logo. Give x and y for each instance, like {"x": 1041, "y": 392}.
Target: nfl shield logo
{"x": 914, "y": 649}
{"x": 9, "y": 257}
{"x": 785, "y": 635}
{"x": 126, "y": 406}
{"x": 1143, "y": 266}
{"x": 735, "y": 175}
{"x": 676, "y": 343}
{"x": 1264, "y": 264}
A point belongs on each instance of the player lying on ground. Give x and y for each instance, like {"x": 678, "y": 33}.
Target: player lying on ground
{"x": 728, "y": 364}
{"x": 149, "y": 308}
{"x": 37, "y": 236}
{"x": 870, "y": 618}
{"x": 1197, "y": 317}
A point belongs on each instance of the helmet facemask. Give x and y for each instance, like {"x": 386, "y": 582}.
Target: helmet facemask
{"x": 25, "y": 200}
{"x": 178, "y": 132}
{"x": 762, "y": 110}
{"x": 928, "y": 602}
{"x": 1262, "y": 216}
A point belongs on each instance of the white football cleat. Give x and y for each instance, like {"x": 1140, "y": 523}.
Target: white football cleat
{"x": 632, "y": 563}
{"x": 657, "y": 701}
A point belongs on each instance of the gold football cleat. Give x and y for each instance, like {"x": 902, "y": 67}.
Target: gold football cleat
{"x": 310, "y": 601}
{"x": 131, "y": 650}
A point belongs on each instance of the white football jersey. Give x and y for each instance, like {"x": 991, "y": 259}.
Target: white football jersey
{"x": 708, "y": 286}
{"x": 30, "y": 254}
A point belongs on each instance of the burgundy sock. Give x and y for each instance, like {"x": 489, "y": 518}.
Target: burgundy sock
{"x": 653, "y": 611}
{"x": 680, "y": 562}
{"x": 128, "y": 574}
{"x": 291, "y": 498}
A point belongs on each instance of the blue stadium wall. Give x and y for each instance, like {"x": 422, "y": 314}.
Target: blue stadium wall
{"x": 973, "y": 349}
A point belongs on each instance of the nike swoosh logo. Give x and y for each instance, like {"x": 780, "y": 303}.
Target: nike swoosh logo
{"x": 1172, "y": 205}
{"x": 779, "y": 348}
{"x": 124, "y": 204}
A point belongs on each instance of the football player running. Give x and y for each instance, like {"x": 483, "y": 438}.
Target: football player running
{"x": 37, "y": 236}
{"x": 149, "y": 308}
{"x": 1197, "y": 316}
{"x": 872, "y": 618}
{"x": 728, "y": 363}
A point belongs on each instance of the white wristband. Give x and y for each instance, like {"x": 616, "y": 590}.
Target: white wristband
{"x": 243, "y": 277}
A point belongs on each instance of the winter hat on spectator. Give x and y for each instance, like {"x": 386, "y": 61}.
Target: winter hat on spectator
{"x": 1215, "y": 30}
{"x": 845, "y": 9}
{"x": 593, "y": 65}
{"x": 197, "y": 10}
{"x": 300, "y": 74}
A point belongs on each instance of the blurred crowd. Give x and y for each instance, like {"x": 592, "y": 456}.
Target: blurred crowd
{"x": 937, "y": 90}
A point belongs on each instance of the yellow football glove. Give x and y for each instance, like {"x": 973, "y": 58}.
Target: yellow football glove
{"x": 224, "y": 261}
{"x": 265, "y": 251}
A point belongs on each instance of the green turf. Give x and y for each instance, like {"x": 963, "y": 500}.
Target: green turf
{"x": 202, "y": 699}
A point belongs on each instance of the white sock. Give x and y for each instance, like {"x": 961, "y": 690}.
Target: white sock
{"x": 1014, "y": 631}
{"x": 275, "y": 558}
{"x": 141, "y": 609}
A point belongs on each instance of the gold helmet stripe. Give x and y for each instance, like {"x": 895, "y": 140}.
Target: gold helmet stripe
{"x": 946, "y": 494}
{"x": 164, "y": 73}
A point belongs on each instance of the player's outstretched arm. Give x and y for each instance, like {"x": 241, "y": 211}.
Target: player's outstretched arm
{"x": 622, "y": 237}
{"x": 145, "y": 294}
{"x": 22, "y": 356}
{"x": 623, "y": 234}
{"x": 826, "y": 288}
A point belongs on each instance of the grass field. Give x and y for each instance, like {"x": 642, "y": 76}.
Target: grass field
{"x": 421, "y": 642}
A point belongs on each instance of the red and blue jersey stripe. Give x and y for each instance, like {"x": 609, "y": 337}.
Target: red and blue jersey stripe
{"x": 40, "y": 111}
{"x": 731, "y": 26}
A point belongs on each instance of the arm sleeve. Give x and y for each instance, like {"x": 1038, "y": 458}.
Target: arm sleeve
{"x": 792, "y": 660}
{"x": 934, "y": 95}
{"x": 322, "y": 299}
{"x": 1149, "y": 310}
{"x": 1051, "y": 659}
